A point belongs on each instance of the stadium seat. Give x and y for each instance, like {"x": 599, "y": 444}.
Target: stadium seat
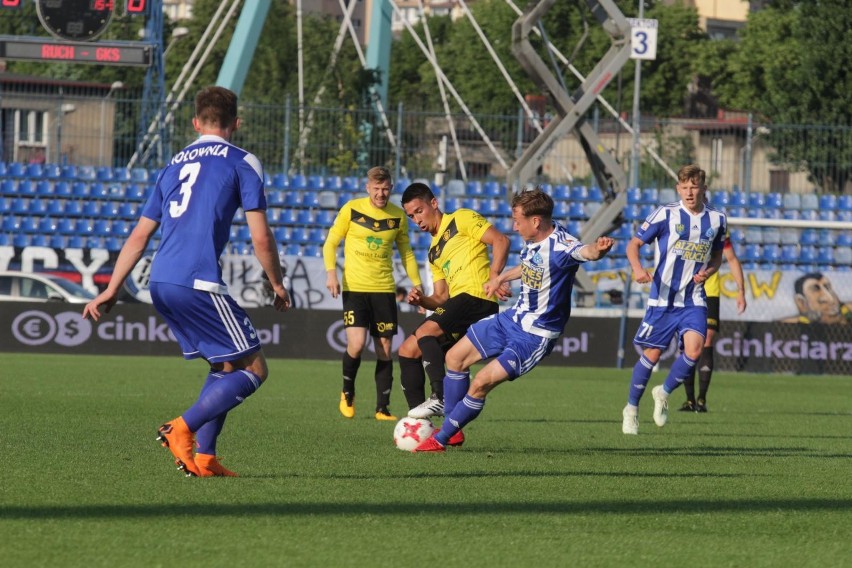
{"x": 305, "y": 217}
{"x": 298, "y": 181}
{"x": 843, "y": 255}
{"x": 28, "y": 225}
{"x": 807, "y": 254}
{"x": 20, "y": 206}
{"x": 57, "y": 242}
{"x": 15, "y": 170}
{"x": 281, "y": 234}
{"x": 825, "y": 256}
{"x": 119, "y": 228}
{"x": 34, "y": 171}
{"x": 633, "y": 213}
{"x": 312, "y": 251}
{"x": 452, "y": 204}
{"x": 455, "y": 188}
{"x": 65, "y": 226}
{"x": 38, "y": 206}
{"x": 650, "y": 195}
{"x": 84, "y": 227}
{"x": 325, "y": 218}
{"x": 668, "y": 195}
{"x": 10, "y": 224}
{"x": 792, "y": 201}
{"x": 104, "y": 174}
{"x": 754, "y": 199}
{"x": 827, "y": 215}
{"x": 350, "y": 183}
{"x": 492, "y": 189}
{"x": 844, "y": 239}
{"x": 773, "y": 200}
{"x": 576, "y": 210}
{"x": 503, "y": 208}
{"x": 26, "y": 188}
{"x": 810, "y": 201}
{"x": 292, "y": 199}
{"x": 86, "y": 173}
{"x": 110, "y": 209}
{"x": 91, "y": 208}
{"x": 20, "y": 240}
{"x": 112, "y": 244}
{"x": 634, "y": 195}
{"x": 69, "y": 172}
{"x": 75, "y": 242}
{"x": 751, "y": 253}
{"x": 101, "y": 228}
{"x": 844, "y": 202}
{"x": 579, "y": 193}
{"x": 98, "y": 190}
{"x": 280, "y": 181}
{"x": 5, "y": 205}
{"x": 316, "y": 236}
{"x": 809, "y": 237}
{"x": 771, "y": 253}
{"x": 139, "y": 175}
{"x": 516, "y": 242}
{"x": 311, "y": 199}
{"x": 293, "y": 250}
{"x": 51, "y": 172}
{"x": 8, "y": 187}
{"x": 121, "y": 175}
{"x": 595, "y": 194}
{"x": 789, "y": 253}
{"x": 79, "y": 189}
{"x": 474, "y": 188}
{"x": 43, "y": 188}
{"x": 827, "y": 201}
{"x": 825, "y": 238}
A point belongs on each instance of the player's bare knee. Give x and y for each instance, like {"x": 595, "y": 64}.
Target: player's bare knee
{"x": 409, "y": 348}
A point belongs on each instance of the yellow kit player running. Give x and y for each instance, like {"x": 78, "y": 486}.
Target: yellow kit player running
{"x": 465, "y": 283}
{"x": 370, "y": 226}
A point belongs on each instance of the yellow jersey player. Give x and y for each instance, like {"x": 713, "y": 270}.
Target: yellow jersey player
{"x": 370, "y": 226}
{"x": 465, "y": 283}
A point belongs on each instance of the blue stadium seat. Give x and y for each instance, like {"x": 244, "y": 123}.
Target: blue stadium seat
{"x": 755, "y": 199}
{"x": 312, "y": 251}
{"x": 75, "y": 242}
{"x": 38, "y": 206}
{"x": 844, "y": 202}
{"x": 98, "y": 190}
{"x": 292, "y": 199}
{"x": 10, "y": 224}
{"x": 668, "y": 195}
{"x": 34, "y": 171}
{"x": 240, "y": 233}
{"x": 827, "y": 215}
{"x": 576, "y": 210}
{"x": 595, "y": 193}
{"x": 101, "y": 228}
{"x": 112, "y": 244}
{"x": 281, "y": 234}
{"x": 29, "y": 225}
{"x": 791, "y": 214}
{"x": 275, "y": 198}
{"x": 825, "y": 256}
{"x": 65, "y": 226}
{"x": 57, "y": 242}
{"x": 773, "y": 200}
{"x": 69, "y": 172}
{"x": 91, "y": 208}
{"x": 807, "y": 254}
{"x": 298, "y": 181}
{"x": 43, "y": 188}
{"x": 288, "y": 216}
{"x": 314, "y": 183}
{"x": 325, "y": 218}
{"x": 474, "y": 188}
{"x": 121, "y": 175}
{"x": 120, "y": 228}
{"x": 343, "y": 198}
{"x": 15, "y": 170}
{"x": 809, "y": 237}
{"x": 103, "y": 173}
{"x": 737, "y": 198}
{"x": 20, "y": 240}
{"x": 771, "y": 253}
{"x": 293, "y": 250}
{"x": 4, "y": 240}
{"x": 351, "y": 184}
{"x": 26, "y": 188}
{"x": 310, "y": 199}
{"x": 86, "y": 173}
{"x": 492, "y": 188}
{"x": 751, "y": 253}
{"x": 134, "y": 192}
{"x": 580, "y": 193}
{"x": 110, "y": 209}
{"x": 634, "y": 195}
{"x": 789, "y": 253}
{"x": 453, "y": 204}
{"x": 844, "y": 239}
{"x": 470, "y": 203}
{"x": 80, "y": 189}
{"x": 650, "y": 195}
{"x": 503, "y": 208}
{"x": 421, "y": 255}
{"x": 127, "y": 210}
{"x": 827, "y": 201}
{"x": 280, "y": 181}
{"x": 316, "y": 236}
{"x": 5, "y": 205}
{"x": 51, "y": 172}
{"x": 516, "y": 243}
{"x": 20, "y": 206}
{"x": 84, "y": 227}
{"x": 139, "y": 175}
{"x": 8, "y": 187}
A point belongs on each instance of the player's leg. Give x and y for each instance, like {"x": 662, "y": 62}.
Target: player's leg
{"x": 356, "y": 323}
{"x": 705, "y": 370}
{"x": 384, "y": 325}
{"x": 692, "y": 327}
{"x": 411, "y": 373}
{"x": 214, "y": 327}
{"x": 654, "y": 334}
{"x": 226, "y": 392}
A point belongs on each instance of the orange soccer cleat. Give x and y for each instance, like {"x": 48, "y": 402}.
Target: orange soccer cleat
{"x": 209, "y": 466}
{"x": 176, "y": 436}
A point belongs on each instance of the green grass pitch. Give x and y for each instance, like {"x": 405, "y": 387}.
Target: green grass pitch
{"x": 546, "y": 477}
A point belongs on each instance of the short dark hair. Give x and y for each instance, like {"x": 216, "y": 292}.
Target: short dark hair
{"x": 534, "y": 202}
{"x": 417, "y": 190}
{"x": 799, "y": 284}
{"x": 216, "y": 106}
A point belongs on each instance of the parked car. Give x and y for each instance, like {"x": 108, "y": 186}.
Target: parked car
{"x": 37, "y": 287}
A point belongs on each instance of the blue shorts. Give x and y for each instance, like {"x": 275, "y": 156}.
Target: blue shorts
{"x": 660, "y": 324}
{"x": 516, "y": 350}
{"x": 207, "y": 325}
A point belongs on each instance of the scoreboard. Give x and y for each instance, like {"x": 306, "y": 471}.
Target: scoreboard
{"x": 77, "y": 24}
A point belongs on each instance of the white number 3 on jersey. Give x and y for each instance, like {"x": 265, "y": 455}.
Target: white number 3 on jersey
{"x": 188, "y": 173}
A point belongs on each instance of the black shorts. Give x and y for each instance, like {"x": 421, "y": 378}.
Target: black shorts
{"x": 374, "y": 310}
{"x": 713, "y": 313}
{"x": 459, "y": 313}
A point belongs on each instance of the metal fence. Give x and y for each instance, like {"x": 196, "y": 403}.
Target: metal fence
{"x": 101, "y": 127}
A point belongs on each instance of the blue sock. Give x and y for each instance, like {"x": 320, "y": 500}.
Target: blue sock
{"x": 681, "y": 368}
{"x": 639, "y": 380}
{"x": 205, "y": 437}
{"x": 224, "y": 394}
{"x": 463, "y": 414}
{"x": 456, "y": 384}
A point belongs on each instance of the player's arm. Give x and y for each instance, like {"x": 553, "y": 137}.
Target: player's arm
{"x": 133, "y": 249}
{"x": 409, "y": 261}
{"x": 640, "y": 275}
{"x": 737, "y": 273}
{"x": 510, "y": 274}
{"x": 266, "y": 252}
{"x": 440, "y": 295}
{"x": 336, "y": 233}
{"x": 597, "y": 250}
{"x": 499, "y": 244}
{"x": 712, "y": 267}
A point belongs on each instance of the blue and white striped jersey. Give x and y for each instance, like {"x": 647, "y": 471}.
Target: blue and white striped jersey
{"x": 196, "y": 197}
{"x": 547, "y": 277}
{"x": 684, "y": 244}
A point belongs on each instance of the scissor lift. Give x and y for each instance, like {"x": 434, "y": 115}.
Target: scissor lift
{"x": 571, "y": 109}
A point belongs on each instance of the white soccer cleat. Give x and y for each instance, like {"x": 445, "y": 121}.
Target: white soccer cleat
{"x": 630, "y": 424}
{"x": 433, "y": 406}
{"x": 661, "y": 405}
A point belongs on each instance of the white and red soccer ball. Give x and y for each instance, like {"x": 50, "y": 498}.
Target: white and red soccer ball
{"x": 409, "y": 432}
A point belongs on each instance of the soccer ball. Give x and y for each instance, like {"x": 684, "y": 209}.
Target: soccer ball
{"x": 409, "y": 432}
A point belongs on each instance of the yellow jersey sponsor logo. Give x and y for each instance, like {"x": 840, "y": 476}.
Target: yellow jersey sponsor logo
{"x": 688, "y": 250}
{"x": 532, "y": 276}
{"x": 373, "y": 243}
